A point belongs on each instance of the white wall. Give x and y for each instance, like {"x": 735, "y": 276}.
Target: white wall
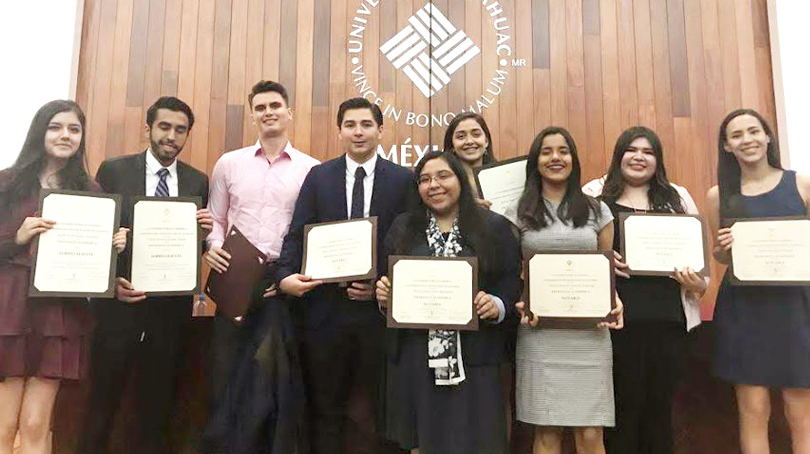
{"x": 791, "y": 67}
{"x": 39, "y": 51}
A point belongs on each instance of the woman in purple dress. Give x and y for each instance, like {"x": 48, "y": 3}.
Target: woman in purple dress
{"x": 41, "y": 339}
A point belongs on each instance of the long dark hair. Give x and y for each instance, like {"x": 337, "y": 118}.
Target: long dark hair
{"x": 24, "y": 174}
{"x": 575, "y": 206}
{"x": 451, "y": 129}
{"x": 661, "y": 194}
{"x": 471, "y": 221}
{"x": 728, "y": 169}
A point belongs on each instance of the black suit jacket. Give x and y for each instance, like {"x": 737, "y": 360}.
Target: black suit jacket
{"x": 126, "y": 175}
{"x": 323, "y": 199}
{"x": 489, "y": 344}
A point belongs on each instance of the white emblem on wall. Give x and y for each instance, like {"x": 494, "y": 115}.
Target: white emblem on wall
{"x": 429, "y": 50}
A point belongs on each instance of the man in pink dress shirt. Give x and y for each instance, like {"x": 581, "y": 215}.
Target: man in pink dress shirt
{"x": 254, "y": 189}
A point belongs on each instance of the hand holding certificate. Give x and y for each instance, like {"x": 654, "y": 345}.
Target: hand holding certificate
{"x": 166, "y": 246}
{"x": 342, "y": 251}
{"x": 233, "y": 289}
{"x": 433, "y": 293}
{"x": 502, "y": 184}
{"x": 771, "y": 251}
{"x": 75, "y": 257}
{"x": 654, "y": 244}
{"x": 571, "y": 286}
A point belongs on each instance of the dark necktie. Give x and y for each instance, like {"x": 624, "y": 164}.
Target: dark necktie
{"x": 162, "y": 189}
{"x": 358, "y": 196}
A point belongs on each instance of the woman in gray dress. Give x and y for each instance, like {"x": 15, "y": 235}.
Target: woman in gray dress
{"x": 564, "y": 375}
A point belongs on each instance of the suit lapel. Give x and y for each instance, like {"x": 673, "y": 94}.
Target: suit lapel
{"x": 183, "y": 183}
{"x": 140, "y": 174}
{"x": 340, "y": 187}
{"x": 379, "y": 186}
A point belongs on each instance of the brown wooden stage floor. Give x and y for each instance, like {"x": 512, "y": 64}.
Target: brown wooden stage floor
{"x": 705, "y": 413}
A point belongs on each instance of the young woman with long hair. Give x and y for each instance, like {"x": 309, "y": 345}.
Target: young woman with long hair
{"x": 564, "y": 375}
{"x": 42, "y": 340}
{"x": 763, "y": 332}
{"x": 468, "y": 138}
{"x": 648, "y": 353}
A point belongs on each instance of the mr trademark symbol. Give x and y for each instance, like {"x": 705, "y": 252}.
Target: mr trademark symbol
{"x": 519, "y": 62}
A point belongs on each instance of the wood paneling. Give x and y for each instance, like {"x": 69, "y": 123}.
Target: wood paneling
{"x": 594, "y": 66}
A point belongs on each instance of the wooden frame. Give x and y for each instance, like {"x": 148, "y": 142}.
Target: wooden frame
{"x": 737, "y": 282}
{"x": 704, "y": 230}
{"x": 471, "y": 325}
{"x": 110, "y": 292}
{"x": 574, "y": 322}
{"x": 372, "y": 272}
{"x": 197, "y": 201}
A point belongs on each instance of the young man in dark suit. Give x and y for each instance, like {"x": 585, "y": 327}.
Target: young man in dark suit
{"x": 343, "y": 331}
{"x": 136, "y": 333}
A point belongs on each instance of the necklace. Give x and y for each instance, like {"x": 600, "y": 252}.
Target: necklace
{"x": 633, "y": 205}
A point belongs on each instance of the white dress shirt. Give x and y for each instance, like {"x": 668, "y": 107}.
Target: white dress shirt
{"x": 368, "y": 183}
{"x": 152, "y": 178}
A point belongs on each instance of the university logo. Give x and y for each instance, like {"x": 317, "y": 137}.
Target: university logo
{"x": 429, "y": 50}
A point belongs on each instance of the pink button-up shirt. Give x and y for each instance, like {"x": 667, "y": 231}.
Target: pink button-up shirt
{"x": 256, "y": 195}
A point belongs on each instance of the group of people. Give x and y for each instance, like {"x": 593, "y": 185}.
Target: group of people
{"x": 285, "y": 373}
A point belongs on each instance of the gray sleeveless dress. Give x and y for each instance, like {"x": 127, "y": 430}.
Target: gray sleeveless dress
{"x": 564, "y": 376}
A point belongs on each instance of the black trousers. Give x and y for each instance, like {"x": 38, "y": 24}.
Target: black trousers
{"x": 224, "y": 348}
{"x": 146, "y": 358}
{"x": 229, "y": 337}
{"x": 647, "y": 364}
{"x": 343, "y": 363}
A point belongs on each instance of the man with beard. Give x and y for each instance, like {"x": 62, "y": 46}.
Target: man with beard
{"x": 137, "y": 334}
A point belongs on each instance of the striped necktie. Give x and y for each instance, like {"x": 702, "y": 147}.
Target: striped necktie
{"x": 162, "y": 189}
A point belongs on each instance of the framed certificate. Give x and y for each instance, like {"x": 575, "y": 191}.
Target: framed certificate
{"x": 654, "y": 244}
{"x": 341, "y": 251}
{"x": 166, "y": 245}
{"x": 502, "y": 184}
{"x": 75, "y": 258}
{"x": 770, "y": 251}
{"x": 433, "y": 292}
{"x": 571, "y": 286}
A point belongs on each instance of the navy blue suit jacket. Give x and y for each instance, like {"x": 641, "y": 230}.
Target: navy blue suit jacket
{"x": 323, "y": 199}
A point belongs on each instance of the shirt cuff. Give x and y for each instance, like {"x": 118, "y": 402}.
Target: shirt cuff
{"x": 501, "y": 309}
{"x": 212, "y": 243}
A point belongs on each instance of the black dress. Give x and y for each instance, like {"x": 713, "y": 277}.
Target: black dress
{"x": 763, "y": 332}
{"x": 647, "y": 360}
{"x": 468, "y": 418}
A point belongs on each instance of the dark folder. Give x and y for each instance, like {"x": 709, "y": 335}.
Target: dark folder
{"x": 233, "y": 290}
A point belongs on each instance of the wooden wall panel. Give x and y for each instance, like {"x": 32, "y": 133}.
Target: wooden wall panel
{"x": 594, "y": 66}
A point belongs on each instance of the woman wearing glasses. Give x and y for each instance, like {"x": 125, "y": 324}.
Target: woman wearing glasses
{"x": 444, "y": 390}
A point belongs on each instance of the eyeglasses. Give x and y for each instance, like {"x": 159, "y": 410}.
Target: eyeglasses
{"x": 441, "y": 177}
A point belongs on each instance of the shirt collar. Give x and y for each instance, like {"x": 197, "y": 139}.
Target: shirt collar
{"x": 153, "y": 165}
{"x": 288, "y": 150}
{"x": 351, "y": 165}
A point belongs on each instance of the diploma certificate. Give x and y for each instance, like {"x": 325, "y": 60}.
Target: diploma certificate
{"x": 165, "y": 246}
{"x": 341, "y": 251}
{"x": 433, "y": 292}
{"x": 770, "y": 252}
{"x": 502, "y": 184}
{"x": 654, "y": 244}
{"x": 75, "y": 257}
{"x": 571, "y": 285}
